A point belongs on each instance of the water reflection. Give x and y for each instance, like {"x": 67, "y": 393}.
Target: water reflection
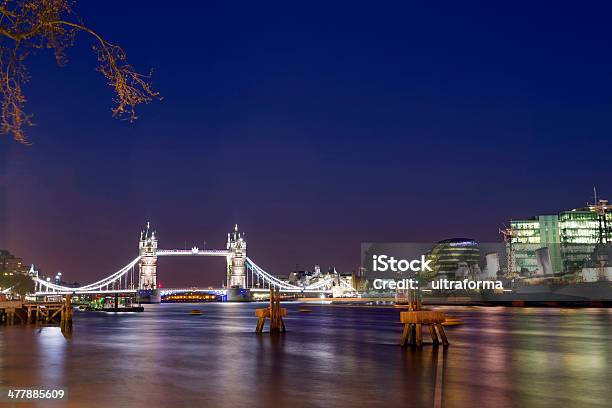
{"x": 334, "y": 356}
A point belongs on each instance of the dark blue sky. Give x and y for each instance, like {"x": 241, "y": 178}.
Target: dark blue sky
{"x": 315, "y": 126}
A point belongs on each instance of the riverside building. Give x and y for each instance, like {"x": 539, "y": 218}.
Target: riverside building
{"x": 560, "y": 243}
{"x": 11, "y": 264}
{"x": 455, "y": 258}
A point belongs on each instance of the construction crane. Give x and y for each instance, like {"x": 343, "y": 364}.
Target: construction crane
{"x": 601, "y": 208}
{"x": 508, "y": 234}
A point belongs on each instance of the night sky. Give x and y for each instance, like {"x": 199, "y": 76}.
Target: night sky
{"x": 315, "y": 126}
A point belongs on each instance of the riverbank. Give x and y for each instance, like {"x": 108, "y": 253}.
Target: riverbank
{"x": 461, "y": 301}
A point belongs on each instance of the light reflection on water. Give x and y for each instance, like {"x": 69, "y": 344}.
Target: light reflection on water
{"x": 333, "y": 356}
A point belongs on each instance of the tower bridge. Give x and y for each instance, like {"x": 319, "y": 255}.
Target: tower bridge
{"x": 139, "y": 276}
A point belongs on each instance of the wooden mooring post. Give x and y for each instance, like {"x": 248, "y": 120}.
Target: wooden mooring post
{"x": 413, "y": 327}
{"x": 66, "y": 315}
{"x": 274, "y": 312}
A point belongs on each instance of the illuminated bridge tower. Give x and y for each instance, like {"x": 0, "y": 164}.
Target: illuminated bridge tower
{"x": 236, "y": 268}
{"x": 148, "y": 260}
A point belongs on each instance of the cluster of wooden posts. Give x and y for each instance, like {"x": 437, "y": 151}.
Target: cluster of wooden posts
{"x": 18, "y": 312}
{"x": 275, "y": 313}
{"x": 10, "y": 312}
{"x": 414, "y": 320}
{"x": 413, "y": 327}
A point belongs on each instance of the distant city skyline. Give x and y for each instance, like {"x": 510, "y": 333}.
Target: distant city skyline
{"x": 203, "y": 272}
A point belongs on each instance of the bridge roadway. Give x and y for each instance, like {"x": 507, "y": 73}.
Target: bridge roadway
{"x": 192, "y": 252}
{"x": 171, "y": 291}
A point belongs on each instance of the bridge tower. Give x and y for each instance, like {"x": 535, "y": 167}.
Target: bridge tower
{"x": 236, "y": 268}
{"x": 148, "y": 260}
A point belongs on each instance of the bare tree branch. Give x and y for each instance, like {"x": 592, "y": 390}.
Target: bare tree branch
{"x": 27, "y": 25}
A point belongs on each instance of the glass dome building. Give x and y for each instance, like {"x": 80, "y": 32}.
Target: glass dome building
{"x": 454, "y": 258}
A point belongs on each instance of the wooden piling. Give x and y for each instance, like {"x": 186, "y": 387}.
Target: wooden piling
{"x": 434, "y": 336}
{"x": 66, "y": 315}
{"x": 413, "y": 327}
{"x": 274, "y": 312}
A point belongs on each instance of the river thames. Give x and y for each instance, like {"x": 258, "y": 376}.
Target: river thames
{"x": 331, "y": 357}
